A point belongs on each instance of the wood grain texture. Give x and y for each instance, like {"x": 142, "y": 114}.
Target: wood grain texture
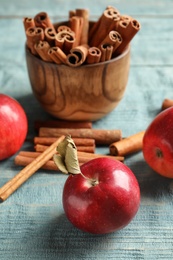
{"x": 32, "y": 221}
{"x": 87, "y": 92}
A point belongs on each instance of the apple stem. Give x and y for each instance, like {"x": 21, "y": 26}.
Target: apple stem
{"x": 92, "y": 181}
{"x": 159, "y": 153}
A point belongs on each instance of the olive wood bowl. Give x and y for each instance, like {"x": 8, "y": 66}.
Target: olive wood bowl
{"x": 87, "y": 92}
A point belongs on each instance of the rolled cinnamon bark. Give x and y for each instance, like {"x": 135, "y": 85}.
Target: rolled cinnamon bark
{"x": 105, "y": 24}
{"x": 42, "y": 20}
{"x": 24, "y": 161}
{"x": 50, "y": 34}
{"x": 31, "y": 154}
{"x": 122, "y": 27}
{"x": 28, "y": 22}
{"x": 42, "y": 48}
{"x": 94, "y": 28}
{"x": 57, "y": 55}
{"x": 77, "y": 56}
{"x": 113, "y": 38}
{"x": 78, "y": 141}
{"x": 84, "y": 157}
{"x": 76, "y": 24}
{"x": 127, "y": 145}
{"x": 65, "y": 41}
{"x": 101, "y": 136}
{"x": 106, "y": 51}
{"x": 30, "y": 34}
{"x": 86, "y": 149}
{"x": 128, "y": 30}
{"x": 94, "y": 55}
{"x": 34, "y": 35}
{"x": 84, "y": 14}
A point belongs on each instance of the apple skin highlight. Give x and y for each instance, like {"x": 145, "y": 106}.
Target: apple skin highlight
{"x": 105, "y": 202}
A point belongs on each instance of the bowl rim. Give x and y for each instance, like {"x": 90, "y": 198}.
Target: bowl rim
{"x": 125, "y": 52}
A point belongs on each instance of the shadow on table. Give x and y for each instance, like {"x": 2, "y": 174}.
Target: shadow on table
{"x": 33, "y": 110}
{"x": 151, "y": 184}
{"x": 59, "y": 238}
{"x": 32, "y": 107}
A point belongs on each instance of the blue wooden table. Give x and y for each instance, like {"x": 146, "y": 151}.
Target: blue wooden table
{"x": 32, "y": 220}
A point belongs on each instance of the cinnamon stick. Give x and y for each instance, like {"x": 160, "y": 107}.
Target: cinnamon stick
{"x": 65, "y": 41}
{"x": 86, "y": 149}
{"x": 42, "y": 48}
{"x": 50, "y": 35}
{"x": 42, "y": 20}
{"x": 113, "y": 38}
{"x": 84, "y": 14}
{"x": 78, "y": 141}
{"x": 107, "y": 51}
{"x": 128, "y": 30}
{"x": 57, "y": 55}
{"x": 85, "y": 157}
{"x": 77, "y": 56}
{"x": 28, "y": 22}
{"x": 13, "y": 184}
{"x": 76, "y": 24}
{"x": 167, "y": 103}
{"x": 30, "y": 34}
{"x": 81, "y": 148}
{"x": 34, "y": 35}
{"x": 31, "y": 154}
{"x": 122, "y": 26}
{"x": 127, "y": 145}
{"x": 94, "y": 55}
{"x": 101, "y": 136}
{"x": 105, "y": 24}
{"x": 110, "y": 12}
{"x": 24, "y": 161}
{"x": 62, "y": 124}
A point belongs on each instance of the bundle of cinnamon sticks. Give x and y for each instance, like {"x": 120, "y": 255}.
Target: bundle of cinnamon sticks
{"x": 85, "y": 138}
{"x": 51, "y": 133}
{"x": 79, "y": 41}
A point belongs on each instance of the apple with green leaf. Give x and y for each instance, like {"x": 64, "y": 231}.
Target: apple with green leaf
{"x": 102, "y": 196}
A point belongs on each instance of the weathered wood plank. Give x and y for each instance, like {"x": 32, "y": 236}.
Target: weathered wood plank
{"x": 32, "y": 222}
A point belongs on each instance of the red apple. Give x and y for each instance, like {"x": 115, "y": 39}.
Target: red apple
{"x": 103, "y": 201}
{"x": 13, "y": 126}
{"x": 158, "y": 143}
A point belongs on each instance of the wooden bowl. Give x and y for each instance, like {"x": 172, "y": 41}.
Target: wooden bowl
{"x": 87, "y": 92}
